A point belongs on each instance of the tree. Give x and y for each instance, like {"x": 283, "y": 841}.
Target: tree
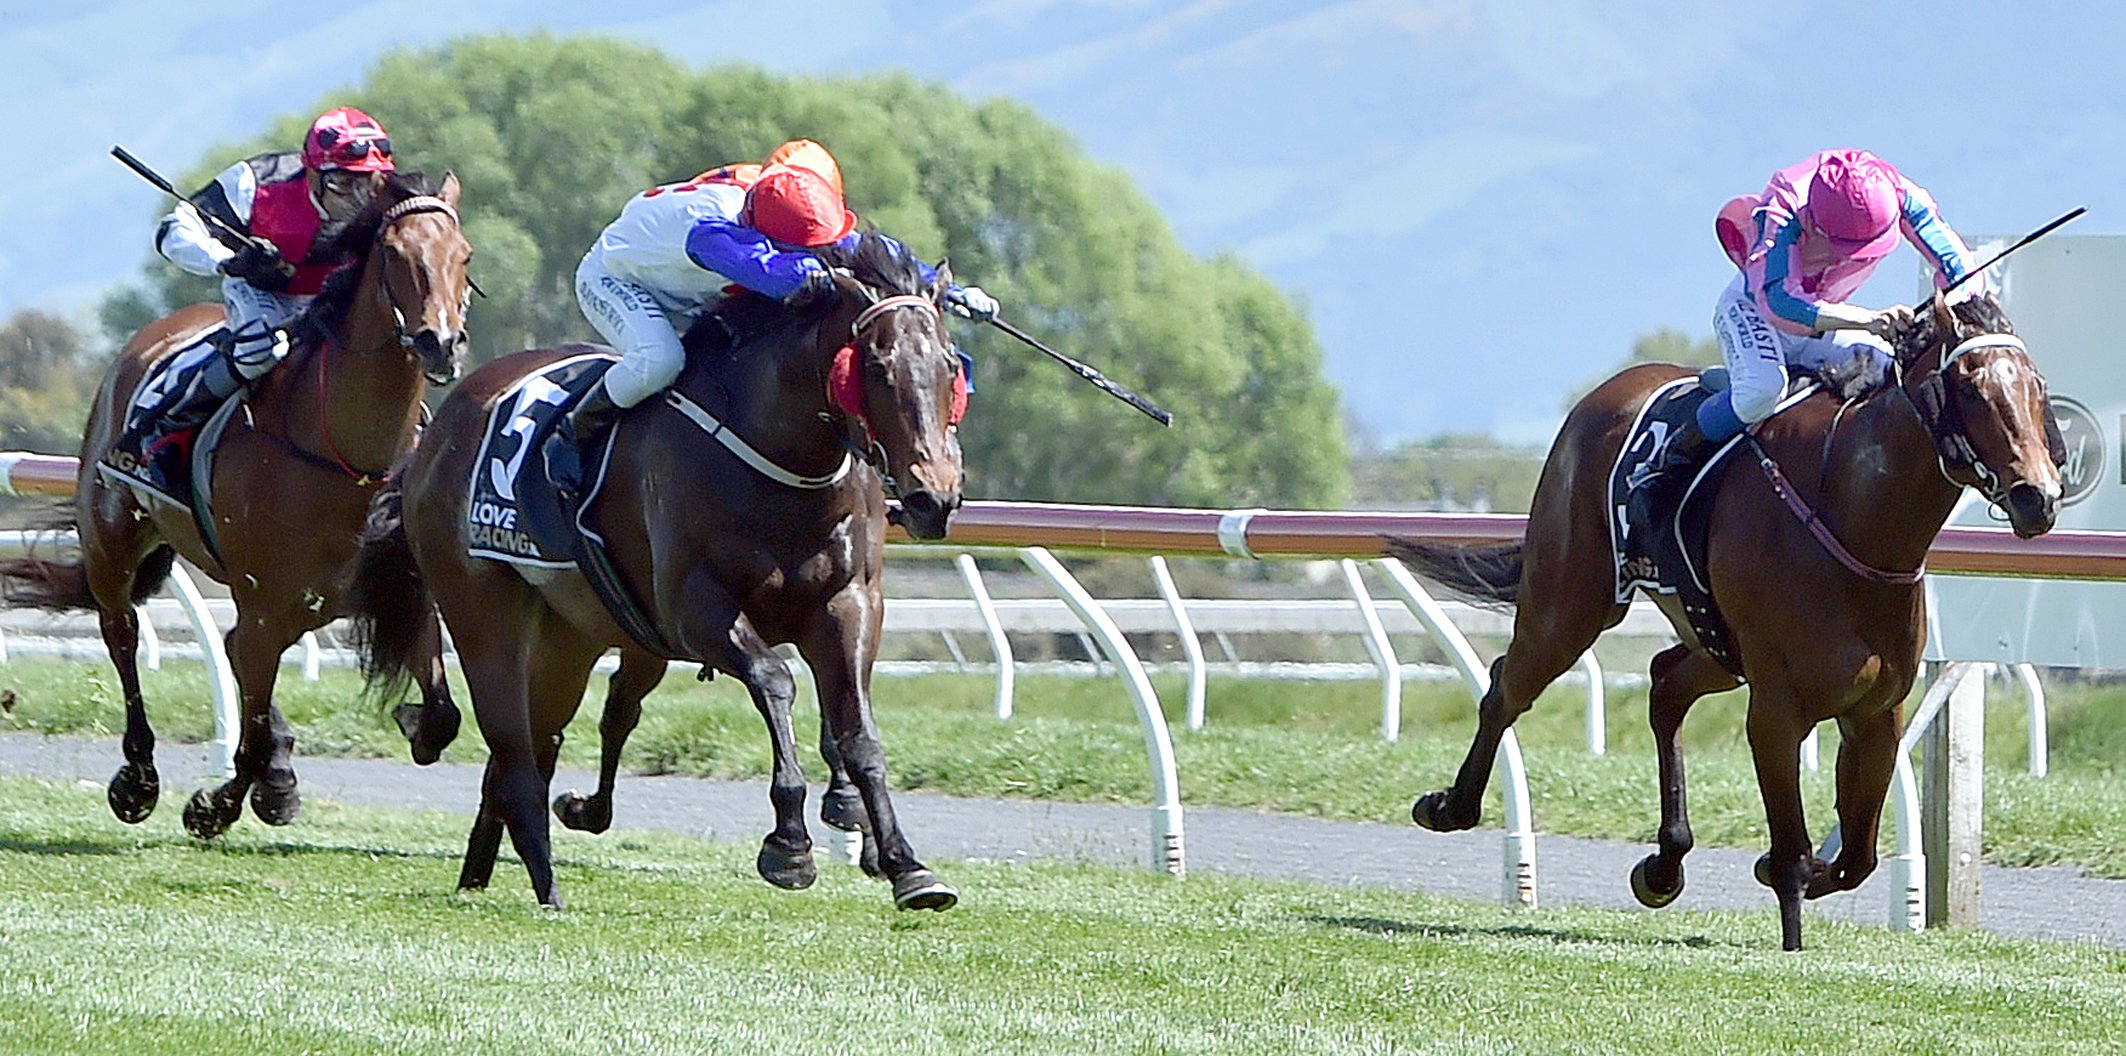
{"x": 48, "y": 374}
{"x": 551, "y": 135}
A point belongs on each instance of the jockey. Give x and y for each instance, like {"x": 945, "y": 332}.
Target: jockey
{"x": 672, "y": 252}
{"x": 293, "y": 205}
{"x": 1801, "y": 248}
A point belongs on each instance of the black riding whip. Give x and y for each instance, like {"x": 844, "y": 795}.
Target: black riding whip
{"x": 1157, "y": 413}
{"x": 2020, "y": 243}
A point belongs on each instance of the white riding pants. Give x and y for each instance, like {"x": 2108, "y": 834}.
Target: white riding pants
{"x": 633, "y": 322}
{"x": 1757, "y": 353}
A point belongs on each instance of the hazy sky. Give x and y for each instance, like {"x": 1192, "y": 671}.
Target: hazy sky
{"x": 1479, "y": 204}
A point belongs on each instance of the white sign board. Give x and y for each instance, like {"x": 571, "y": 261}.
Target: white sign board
{"x": 2065, "y": 295}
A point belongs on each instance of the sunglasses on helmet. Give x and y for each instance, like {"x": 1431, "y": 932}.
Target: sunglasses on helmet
{"x": 353, "y": 149}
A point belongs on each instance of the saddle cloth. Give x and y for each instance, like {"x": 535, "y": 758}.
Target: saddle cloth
{"x": 180, "y": 481}
{"x": 1667, "y": 556}
{"x": 514, "y": 514}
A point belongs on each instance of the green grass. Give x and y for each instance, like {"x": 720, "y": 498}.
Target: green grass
{"x": 341, "y": 935}
{"x": 1304, "y": 748}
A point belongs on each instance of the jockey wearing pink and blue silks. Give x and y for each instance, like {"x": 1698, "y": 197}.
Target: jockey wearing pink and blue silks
{"x": 1803, "y": 246}
{"x": 1806, "y": 244}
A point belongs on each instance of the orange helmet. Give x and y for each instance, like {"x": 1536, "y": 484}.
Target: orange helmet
{"x": 805, "y": 154}
{"x": 797, "y": 206}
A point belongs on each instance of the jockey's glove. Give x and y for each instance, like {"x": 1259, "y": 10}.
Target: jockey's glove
{"x": 973, "y": 303}
{"x": 260, "y": 263}
{"x": 817, "y": 288}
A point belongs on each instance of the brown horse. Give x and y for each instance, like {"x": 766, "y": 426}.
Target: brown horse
{"x": 724, "y": 559}
{"x": 291, "y": 484}
{"x": 1818, "y": 639}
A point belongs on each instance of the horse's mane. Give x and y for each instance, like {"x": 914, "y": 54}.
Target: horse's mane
{"x": 1863, "y": 374}
{"x": 328, "y": 312}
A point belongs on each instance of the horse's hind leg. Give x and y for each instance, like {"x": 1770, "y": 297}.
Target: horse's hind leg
{"x": 1867, "y": 758}
{"x": 1681, "y": 675}
{"x": 111, "y": 560}
{"x": 1548, "y": 637}
{"x": 842, "y": 806}
{"x": 639, "y": 674}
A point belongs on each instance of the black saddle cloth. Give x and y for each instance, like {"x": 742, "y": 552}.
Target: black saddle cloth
{"x": 1667, "y": 555}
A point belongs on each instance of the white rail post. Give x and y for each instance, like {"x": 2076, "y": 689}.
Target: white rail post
{"x": 1953, "y": 794}
{"x": 311, "y": 656}
{"x": 1597, "y": 706}
{"x": 1190, "y": 647}
{"x": 2040, "y": 739}
{"x": 1167, "y": 847}
{"x": 1520, "y": 825}
{"x": 999, "y": 645}
{"x": 1811, "y": 750}
{"x": 220, "y": 682}
{"x": 150, "y": 641}
{"x": 1381, "y": 650}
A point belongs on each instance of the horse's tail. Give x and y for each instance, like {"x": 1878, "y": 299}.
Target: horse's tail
{"x": 31, "y": 581}
{"x": 1489, "y": 573}
{"x": 388, "y": 602}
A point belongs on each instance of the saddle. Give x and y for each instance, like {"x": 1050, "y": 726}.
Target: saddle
{"x": 1668, "y": 555}
{"x": 516, "y": 516}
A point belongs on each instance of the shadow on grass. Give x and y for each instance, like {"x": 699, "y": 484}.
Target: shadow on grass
{"x": 1563, "y": 936}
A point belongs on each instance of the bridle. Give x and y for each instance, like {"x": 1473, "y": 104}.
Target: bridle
{"x": 845, "y": 394}
{"x": 420, "y": 203}
{"x": 1936, "y": 410}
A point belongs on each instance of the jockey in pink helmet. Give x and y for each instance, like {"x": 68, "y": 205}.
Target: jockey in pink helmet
{"x": 673, "y": 253}
{"x": 1800, "y": 248}
{"x": 293, "y": 204}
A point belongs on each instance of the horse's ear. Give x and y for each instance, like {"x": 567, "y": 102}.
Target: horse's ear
{"x": 1944, "y": 318}
{"x": 451, "y": 187}
{"x": 944, "y": 270}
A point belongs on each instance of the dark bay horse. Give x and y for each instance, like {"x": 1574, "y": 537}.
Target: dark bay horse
{"x": 1819, "y": 639}
{"x": 724, "y": 560}
{"x": 291, "y": 484}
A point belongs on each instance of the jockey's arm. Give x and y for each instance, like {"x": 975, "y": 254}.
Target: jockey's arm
{"x": 1779, "y": 292}
{"x": 1934, "y": 238}
{"x": 184, "y": 239}
{"x": 749, "y": 258}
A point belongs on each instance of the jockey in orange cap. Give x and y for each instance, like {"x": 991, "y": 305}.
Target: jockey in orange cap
{"x": 294, "y": 205}
{"x": 668, "y": 257}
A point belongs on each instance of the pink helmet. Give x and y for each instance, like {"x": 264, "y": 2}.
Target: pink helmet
{"x": 1853, "y": 202}
{"x": 798, "y": 207}
{"x": 348, "y": 139}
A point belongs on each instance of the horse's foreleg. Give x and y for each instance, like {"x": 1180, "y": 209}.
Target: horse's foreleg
{"x": 265, "y": 744}
{"x": 711, "y": 627}
{"x": 1775, "y": 734}
{"x": 639, "y": 673}
{"x": 135, "y": 787}
{"x": 1867, "y": 758}
{"x": 1681, "y": 675}
{"x": 431, "y": 725}
{"x": 839, "y": 652}
{"x": 485, "y": 841}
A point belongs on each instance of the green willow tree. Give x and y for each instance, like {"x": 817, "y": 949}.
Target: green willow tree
{"x": 551, "y": 135}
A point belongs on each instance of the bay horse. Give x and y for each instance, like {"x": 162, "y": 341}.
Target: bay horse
{"x": 774, "y": 536}
{"x": 1821, "y": 634}
{"x": 290, "y": 489}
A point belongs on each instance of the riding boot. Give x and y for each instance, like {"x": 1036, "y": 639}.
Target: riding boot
{"x": 155, "y": 432}
{"x": 1662, "y": 487}
{"x": 573, "y": 440}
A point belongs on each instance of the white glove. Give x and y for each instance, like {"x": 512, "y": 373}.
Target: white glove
{"x": 974, "y": 304}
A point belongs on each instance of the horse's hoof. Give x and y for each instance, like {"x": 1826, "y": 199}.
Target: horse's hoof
{"x": 208, "y": 816}
{"x": 1763, "y": 869}
{"x": 1643, "y": 889}
{"x": 921, "y": 889}
{"x": 844, "y": 812}
{"x": 133, "y": 792}
{"x": 1430, "y": 812}
{"x": 426, "y": 735}
{"x": 791, "y": 872}
{"x": 276, "y": 801}
{"x": 583, "y": 813}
